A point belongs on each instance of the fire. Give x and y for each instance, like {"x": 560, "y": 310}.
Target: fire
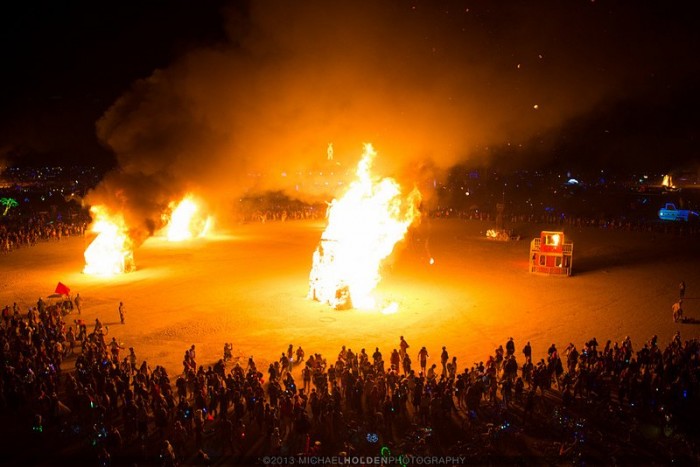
{"x": 111, "y": 251}
{"x": 554, "y": 240}
{"x": 363, "y": 228}
{"x": 185, "y": 220}
{"x": 668, "y": 181}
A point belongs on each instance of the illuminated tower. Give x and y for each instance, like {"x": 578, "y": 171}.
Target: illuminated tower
{"x": 551, "y": 255}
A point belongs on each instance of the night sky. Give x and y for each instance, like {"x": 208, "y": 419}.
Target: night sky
{"x": 66, "y": 62}
{"x": 185, "y": 91}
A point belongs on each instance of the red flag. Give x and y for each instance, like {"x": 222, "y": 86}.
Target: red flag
{"x": 62, "y": 288}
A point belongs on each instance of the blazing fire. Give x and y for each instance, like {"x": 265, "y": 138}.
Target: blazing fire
{"x": 185, "y": 220}
{"x": 363, "y": 228}
{"x": 554, "y": 239}
{"x": 668, "y": 182}
{"x": 111, "y": 251}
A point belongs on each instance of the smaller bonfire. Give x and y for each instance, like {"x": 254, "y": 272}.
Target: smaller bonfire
{"x": 112, "y": 250}
{"x": 502, "y": 235}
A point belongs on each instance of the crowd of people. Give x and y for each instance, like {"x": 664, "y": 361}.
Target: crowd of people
{"x": 70, "y": 392}
{"x": 617, "y": 223}
{"x": 29, "y": 232}
{"x": 652, "y": 225}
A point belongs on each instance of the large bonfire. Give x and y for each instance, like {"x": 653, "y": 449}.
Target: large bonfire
{"x": 111, "y": 252}
{"x": 363, "y": 228}
{"x": 185, "y": 220}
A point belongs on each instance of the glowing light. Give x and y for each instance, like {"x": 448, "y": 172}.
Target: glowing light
{"x": 553, "y": 240}
{"x": 668, "y": 181}
{"x": 390, "y": 309}
{"x": 363, "y": 228}
{"x": 184, "y": 220}
{"x": 111, "y": 251}
{"x": 8, "y": 203}
{"x": 500, "y": 235}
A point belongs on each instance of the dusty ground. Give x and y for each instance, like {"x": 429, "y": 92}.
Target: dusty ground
{"x": 249, "y": 287}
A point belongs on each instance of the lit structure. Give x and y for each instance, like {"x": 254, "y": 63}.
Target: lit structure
{"x": 363, "y": 227}
{"x": 111, "y": 252}
{"x": 551, "y": 255}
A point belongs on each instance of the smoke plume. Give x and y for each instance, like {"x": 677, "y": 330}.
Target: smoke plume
{"x": 428, "y": 83}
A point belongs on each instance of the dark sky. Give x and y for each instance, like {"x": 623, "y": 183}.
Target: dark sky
{"x": 66, "y": 62}
{"x": 197, "y": 88}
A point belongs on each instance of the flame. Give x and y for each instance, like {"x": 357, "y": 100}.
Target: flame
{"x": 185, "y": 220}
{"x": 668, "y": 181}
{"x": 111, "y": 251}
{"x": 363, "y": 228}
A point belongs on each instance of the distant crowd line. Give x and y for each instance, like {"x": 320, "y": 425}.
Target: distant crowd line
{"x": 617, "y": 223}
{"x": 29, "y": 232}
{"x": 606, "y": 223}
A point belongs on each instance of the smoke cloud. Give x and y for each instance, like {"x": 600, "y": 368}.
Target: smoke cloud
{"x": 428, "y": 83}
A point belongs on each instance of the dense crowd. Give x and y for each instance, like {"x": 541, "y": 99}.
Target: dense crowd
{"x": 573, "y": 220}
{"x": 591, "y": 403}
{"x": 18, "y": 234}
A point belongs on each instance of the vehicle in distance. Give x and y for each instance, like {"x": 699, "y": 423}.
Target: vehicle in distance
{"x": 670, "y": 213}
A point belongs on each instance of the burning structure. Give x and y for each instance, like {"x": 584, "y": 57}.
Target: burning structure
{"x": 551, "y": 255}
{"x": 502, "y": 235}
{"x": 363, "y": 228}
{"x": 184, "y": 220}
{"x": 112, "y": 251}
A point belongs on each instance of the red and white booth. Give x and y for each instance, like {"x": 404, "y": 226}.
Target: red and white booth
{"x": 551, "y": 255}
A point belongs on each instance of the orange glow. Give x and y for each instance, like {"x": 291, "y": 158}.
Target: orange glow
{"x": 185, "y": 220}
{"x": 363, "y": 228}
{"x": 111, "y": 252}
{"x": 554, "y": 240}
{"x": 667, "y": 181}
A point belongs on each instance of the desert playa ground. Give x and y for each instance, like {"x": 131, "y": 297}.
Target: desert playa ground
{"x": 248, "y": 286}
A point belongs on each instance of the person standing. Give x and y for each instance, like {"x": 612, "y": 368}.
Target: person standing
{"x": 78, "y": 303}
{"x": 423, "y": 359}
{"x": 132, "y": 360}
{"x": 444, "y": 357}
{"x": 395, "y": 360}
{"x": 115, "y": 347}
{"x": 406, "y": 362}
{"x": 510, "y": 347}
{"x": 527, "y": 351}
{"x": 681, "y": 290}
{"x": 403, "y": 347}
{"x": 122, "y": 312}
{"x": 677, "y": 310}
